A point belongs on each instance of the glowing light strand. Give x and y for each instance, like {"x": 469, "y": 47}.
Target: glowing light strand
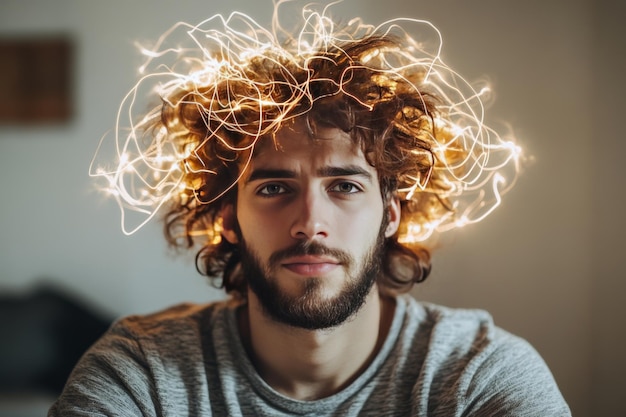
{"x": 149, "y": 169}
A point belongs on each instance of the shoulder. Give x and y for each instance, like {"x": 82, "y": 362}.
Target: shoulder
{"x": 458, "y": 327}
{"x": 179, "y": 319}
{"x": 469, "y": 338}
{"x": 172, "y": 332}
{"x": 472, "y": 364}
{"x": 166, "y": 337}
{"x": 156, "y": 343}
{"x": 143, "y": 357}
{"x": 451, "y": 329}
{"x": 439, "y": 315}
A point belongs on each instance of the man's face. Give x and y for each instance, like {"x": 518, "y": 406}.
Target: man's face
{"x": 311, "y": 216}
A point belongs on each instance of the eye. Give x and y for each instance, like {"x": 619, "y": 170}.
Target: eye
{"x": 346, "y": 188}
{"x": 269, "y": 190}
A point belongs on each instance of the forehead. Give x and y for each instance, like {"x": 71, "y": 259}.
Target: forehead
{"x": 295, "y": 142}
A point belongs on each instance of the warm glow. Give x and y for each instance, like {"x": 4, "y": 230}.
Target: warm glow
{"x": 149, "y": 168}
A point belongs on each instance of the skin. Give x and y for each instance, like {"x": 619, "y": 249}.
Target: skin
{"x": 289, "y": 194}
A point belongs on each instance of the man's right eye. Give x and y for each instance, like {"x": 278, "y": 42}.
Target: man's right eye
{"x": 272, "y": 189}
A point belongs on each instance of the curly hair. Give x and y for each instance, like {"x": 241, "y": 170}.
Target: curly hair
{"x": 391, "y": 115}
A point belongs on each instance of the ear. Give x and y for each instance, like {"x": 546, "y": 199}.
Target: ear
{"x": 394, "y": 216}
{"x": 229, "y": 221}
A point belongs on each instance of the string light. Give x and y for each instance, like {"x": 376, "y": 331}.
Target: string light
{"x": 149, "y": 167}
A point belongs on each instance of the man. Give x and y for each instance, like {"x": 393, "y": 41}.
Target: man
{"x": 304, "y": 179}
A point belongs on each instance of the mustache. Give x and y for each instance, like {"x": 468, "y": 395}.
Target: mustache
{"x": 310, "y": 248}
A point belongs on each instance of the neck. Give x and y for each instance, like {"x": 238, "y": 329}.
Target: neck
{"x": 312, "y": 364}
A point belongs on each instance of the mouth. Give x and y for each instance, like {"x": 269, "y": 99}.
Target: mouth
{"x": 310, "y": 265}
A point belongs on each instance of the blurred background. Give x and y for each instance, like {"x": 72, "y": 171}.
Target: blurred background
{"x": 547, "y": 264}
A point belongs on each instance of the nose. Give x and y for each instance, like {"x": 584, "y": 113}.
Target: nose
{"x": 311, "y": 217}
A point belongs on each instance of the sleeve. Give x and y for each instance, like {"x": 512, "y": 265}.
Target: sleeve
{"x": 111, "y": 379}
{"x": 513, "y": 381}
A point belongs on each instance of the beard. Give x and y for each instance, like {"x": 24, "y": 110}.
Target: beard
{"x": 310, "y": 309}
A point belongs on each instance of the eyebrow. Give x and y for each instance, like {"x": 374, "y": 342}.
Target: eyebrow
{"x": 326, "y": 171}
{"x": 343, "y": 171}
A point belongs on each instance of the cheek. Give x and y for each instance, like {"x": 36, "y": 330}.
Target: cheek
{"x": 256, "y": 225}
{"x": 361, "y": 228}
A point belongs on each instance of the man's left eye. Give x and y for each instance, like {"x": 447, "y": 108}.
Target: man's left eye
{"x": 345, "y": 188}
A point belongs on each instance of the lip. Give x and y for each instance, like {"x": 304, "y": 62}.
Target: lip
{"x": 310, "y": 265}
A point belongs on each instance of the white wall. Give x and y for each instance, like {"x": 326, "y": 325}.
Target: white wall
{"x": 609, "y": 197}
{"x": 530, "y": 263}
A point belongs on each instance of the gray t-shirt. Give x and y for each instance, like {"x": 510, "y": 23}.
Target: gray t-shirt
{"x": 189, "y": 361}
